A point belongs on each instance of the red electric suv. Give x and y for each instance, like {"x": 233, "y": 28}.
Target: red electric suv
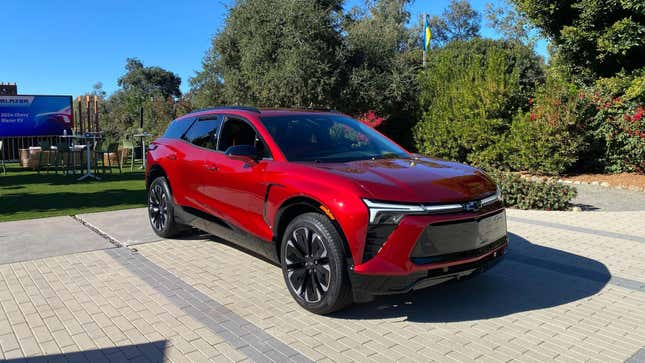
{"x": 345, "y": 211}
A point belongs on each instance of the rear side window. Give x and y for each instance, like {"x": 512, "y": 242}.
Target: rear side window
{"x": 177, "y": 128}
{"x": 203, "y": 133}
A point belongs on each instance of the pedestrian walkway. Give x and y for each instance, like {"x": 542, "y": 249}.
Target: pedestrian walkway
{"x": 570, "y": 289}
{"x": 605, "y": 199}
{"x": 39, "y": 238}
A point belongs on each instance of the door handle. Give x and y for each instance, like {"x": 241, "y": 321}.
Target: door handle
{"x": 172, "y": 157}
{"x": 211, "y": 167}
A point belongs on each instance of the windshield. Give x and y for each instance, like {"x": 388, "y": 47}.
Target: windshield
{"x": 328, "y": 138}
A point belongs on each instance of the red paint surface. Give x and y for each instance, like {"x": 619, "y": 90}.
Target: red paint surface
{"x": 235, "y": 191}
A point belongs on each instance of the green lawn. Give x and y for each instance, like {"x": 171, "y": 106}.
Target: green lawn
{"x": 25, "y": 195}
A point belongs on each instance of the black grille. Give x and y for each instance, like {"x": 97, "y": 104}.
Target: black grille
{"x": 459, "y": 255}
{"x": 377, "y": 234}
{"x": 445, "y": 238}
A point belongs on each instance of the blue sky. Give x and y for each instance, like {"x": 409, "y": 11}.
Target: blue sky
{"x": 66, "y": 46}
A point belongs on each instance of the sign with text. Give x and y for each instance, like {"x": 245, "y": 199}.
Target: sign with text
{"x": 35, "y": 115}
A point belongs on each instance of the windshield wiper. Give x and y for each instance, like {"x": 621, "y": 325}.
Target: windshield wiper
{"x": 388, "y": 155}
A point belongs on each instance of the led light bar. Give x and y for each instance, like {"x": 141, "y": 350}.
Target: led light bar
{"x": 376, "y": 208}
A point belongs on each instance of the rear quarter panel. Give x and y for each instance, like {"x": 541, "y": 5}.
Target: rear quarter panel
{"x": 169, "y": 155}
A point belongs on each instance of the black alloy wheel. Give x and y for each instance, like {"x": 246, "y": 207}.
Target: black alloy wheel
{"x": 314, "y": 265}
{"x": 158, "y": 207}
{"x": 308, "y": 269}
{"x": 161, "y": 209}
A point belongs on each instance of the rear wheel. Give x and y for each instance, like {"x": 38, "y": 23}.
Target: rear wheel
{"x": 161, "y": 209}
{"x": 313, "y": 264}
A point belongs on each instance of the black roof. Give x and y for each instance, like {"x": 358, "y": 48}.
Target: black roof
{"x": 259, "y": 110}
{"x": 241, "y": 108}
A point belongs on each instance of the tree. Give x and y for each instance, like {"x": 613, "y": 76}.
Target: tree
{"x": 512, "y": 24}
{"x": 458, "y": 22}
{"x": 206, "y": 87}
{"x": 97, "y": 90}
{"x": 314, "y": 54}
{"x": 382, "y": 61}
{"x": 149, "y": 80}
{"x": 153, "y": 89}
{"x": 275, "y": 53}
{"x": 376, "y": 45}
{"x": 592, "y": 37}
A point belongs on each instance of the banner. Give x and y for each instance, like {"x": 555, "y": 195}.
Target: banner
{"x": 35, "y": 115}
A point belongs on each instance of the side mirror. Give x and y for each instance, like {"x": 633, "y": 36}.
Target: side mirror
{"x": 242, "y": 152}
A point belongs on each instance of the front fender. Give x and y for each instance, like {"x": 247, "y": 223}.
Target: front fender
{"x": 347, "y": 211}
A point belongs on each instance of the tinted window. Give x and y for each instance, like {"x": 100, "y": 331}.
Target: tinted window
{"x": 204, "y": 133}
{"x": 236, "y": 132}
{"x": 177, "y": 128}
{"x": 329, "y": 138}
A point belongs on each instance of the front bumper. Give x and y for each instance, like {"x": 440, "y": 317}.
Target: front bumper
{"x": 425, "y": 250}
{"x": 367, "y": 285}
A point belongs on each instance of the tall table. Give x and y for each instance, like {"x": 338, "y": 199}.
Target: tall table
{"x": 143, "y": 136}
{"x": 88, "y": 137}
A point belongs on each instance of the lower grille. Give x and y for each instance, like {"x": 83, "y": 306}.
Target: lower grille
{"x": 459, "y": 255}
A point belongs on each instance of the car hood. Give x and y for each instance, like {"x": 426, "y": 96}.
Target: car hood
{"x": 414, "y": 180}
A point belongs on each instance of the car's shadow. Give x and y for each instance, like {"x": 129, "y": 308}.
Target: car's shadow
{"x": 531, "y": 277}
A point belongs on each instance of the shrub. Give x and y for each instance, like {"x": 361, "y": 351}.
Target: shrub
{"x": 549, "y": 137}
{"x": 469, "y": 93}
{"x": 371, "y": 119}
{"x": 539, "y": 148}
{"x": 616, "y": 132}
{"x": 526, "y": 194}
{"x": 636, "y": 89}
{"x": 571, "y": 129}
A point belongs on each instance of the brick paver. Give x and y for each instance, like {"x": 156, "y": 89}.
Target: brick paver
{"x": 571, "y": 289}
{"x": 555, "y": 297}
{"x": 92, "y": 305}
{"x": 232, "y": 328}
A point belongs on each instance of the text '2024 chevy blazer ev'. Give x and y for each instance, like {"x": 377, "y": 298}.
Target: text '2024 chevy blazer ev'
{"x": 345, "y": 211}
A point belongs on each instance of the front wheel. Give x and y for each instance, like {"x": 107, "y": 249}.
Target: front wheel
{"x": 313, "y": 264}
{"x": 161, "y": 209}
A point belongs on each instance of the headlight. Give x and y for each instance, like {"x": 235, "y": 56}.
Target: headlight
{"x": 392, "y": 213}
{"x": 493, "y": 198}
{"x": 389, "y": 213}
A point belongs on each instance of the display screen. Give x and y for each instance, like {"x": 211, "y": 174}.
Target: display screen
{"x": 35, "y": 115}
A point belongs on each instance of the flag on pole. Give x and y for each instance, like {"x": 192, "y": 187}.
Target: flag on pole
{"x": 427, "y": 35}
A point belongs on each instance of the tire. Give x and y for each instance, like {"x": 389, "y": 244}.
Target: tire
{"x": 161, "y": 209}
{"x": 314, "y": 266}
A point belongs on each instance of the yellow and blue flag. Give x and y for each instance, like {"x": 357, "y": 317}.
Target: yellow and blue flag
{"x": 427, "y": 35}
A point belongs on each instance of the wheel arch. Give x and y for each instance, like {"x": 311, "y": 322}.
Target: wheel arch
{"x": 292, "y": 208}
{"x": 156, "y": 171}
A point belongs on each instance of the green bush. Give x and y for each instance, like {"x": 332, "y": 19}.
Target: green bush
{"x": 526, "y": 194}
{"x": 548, "y": 139}
{"x": 616, "y": 130}
{"x": 469, "y": 94}
{"x": 599, "y": 128}
{"x": 483, "y": 102}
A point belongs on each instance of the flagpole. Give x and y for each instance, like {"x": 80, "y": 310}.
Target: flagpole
{"x": 425, "y": 52}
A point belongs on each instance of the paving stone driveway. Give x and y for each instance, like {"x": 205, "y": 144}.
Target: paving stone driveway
{"x": 572, "y": 288}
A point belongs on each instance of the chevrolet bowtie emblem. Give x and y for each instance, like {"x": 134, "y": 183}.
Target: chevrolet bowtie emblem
{"x": 473, "y": 206}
